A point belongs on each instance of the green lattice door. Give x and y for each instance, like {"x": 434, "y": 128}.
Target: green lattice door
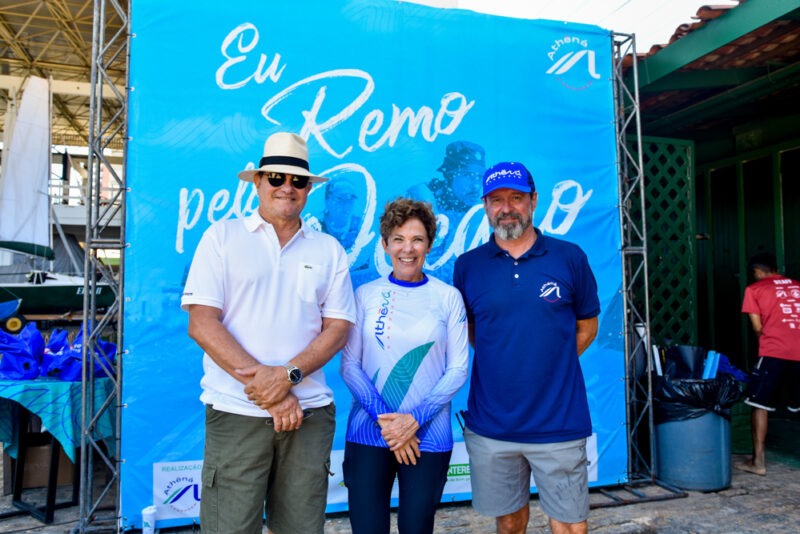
{"x": 669, "y": 209}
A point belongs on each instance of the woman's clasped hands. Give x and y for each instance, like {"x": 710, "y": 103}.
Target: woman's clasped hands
{"x": 399, "y": 430}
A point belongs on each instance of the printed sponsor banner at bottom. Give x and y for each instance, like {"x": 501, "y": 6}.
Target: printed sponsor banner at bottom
{"x": 458, "y": 473}
{"x": 177, "y": 485}
{"x": 176, "y": 489}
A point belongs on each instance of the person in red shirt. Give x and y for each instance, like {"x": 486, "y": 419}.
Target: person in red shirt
{"x": 773, "y": 305}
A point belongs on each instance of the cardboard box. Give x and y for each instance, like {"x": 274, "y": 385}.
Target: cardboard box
{"x": 37, "y": 466}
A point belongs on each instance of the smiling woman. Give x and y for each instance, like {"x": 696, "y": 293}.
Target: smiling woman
{"x": 407, "y": 228}
{"x": 405, "y": 358}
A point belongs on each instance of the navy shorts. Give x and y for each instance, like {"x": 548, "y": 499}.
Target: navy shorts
{"x": 765, "y": 379}
{"x": 369, "y": 473}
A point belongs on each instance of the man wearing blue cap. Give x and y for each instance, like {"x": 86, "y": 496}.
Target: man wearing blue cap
{"x": 532, "y": 308}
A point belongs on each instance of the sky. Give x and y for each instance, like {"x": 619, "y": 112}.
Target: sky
{"x": 653, "y": 21}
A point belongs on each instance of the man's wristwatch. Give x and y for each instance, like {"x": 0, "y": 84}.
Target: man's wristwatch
{"x": 295, "y": 375}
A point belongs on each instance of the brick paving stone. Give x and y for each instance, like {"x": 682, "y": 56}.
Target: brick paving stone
{"x": 752, "y": 505}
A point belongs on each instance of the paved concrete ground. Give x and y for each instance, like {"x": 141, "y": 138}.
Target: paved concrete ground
{"x": 752, "y": 504}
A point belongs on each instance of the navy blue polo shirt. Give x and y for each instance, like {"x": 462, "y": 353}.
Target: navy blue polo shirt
{"x": 527, "y": 385}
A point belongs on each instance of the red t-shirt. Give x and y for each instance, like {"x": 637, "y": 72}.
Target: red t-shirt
{"x": 777, "y": 300}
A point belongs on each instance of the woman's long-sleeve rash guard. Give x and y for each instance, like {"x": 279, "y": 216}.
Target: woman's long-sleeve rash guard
{"x": 408, "y": 353}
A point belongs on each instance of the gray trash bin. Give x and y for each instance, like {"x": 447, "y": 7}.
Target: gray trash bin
{"x": 693, "y": 431}
{"x": 695, "y": 454}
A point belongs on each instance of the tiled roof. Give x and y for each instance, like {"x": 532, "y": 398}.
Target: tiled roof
{"x": 769, "y": 47}
{"x": 778, "y": 41}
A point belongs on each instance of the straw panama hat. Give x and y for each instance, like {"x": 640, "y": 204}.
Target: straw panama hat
{"x": 283, "y": 152}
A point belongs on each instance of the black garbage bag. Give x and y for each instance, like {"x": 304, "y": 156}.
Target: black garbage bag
{"x": 682, "y": 399}
{"x": 684, "y": 361}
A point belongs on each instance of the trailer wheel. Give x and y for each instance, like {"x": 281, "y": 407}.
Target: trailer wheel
{"x": 13, "y": 324}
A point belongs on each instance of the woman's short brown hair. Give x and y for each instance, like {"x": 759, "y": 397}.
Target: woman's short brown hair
{"x": 400, "y": 210}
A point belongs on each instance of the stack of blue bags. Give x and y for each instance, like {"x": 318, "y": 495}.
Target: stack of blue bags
{"x": 25, "y": 356}
{"x": 718, "y": 363}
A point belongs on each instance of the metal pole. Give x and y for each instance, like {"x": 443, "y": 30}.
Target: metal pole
{"x": 95, "y": 320}
{"x": 633, "y": 233}
{"x": 88, "y": 272}
{"x": 621, "y": 174}
{"x": 640, "y": 166}
{"x": 121, "y": 270}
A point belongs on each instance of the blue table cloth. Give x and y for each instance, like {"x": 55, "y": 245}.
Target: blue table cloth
{"x": 58, "y": 405}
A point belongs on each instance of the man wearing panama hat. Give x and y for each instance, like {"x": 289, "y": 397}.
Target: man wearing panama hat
{"x": 270, "y": 302}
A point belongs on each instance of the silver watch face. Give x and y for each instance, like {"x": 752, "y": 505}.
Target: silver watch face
{"x": 295, "y": 375}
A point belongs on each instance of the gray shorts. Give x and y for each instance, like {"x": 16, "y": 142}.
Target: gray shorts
{"x": 500, "y": 472}
{"x": 246, "y": 462}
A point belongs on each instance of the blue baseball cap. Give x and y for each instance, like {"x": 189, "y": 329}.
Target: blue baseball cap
{"x": 508, "y": 174}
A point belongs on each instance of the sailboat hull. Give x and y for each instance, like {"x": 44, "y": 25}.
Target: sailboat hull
{"x": 49, "y": 298}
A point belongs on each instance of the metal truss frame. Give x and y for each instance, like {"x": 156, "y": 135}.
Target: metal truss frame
{"x": 100, "y": 496}
{"x": 636, "y": 304}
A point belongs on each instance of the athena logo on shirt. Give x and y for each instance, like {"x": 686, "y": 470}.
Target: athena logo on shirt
{"x": 550, "y": 292}
{"x": 383, "y": 311}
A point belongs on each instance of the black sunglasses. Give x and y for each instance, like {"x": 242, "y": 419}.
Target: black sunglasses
{"x": 277, "y": 179}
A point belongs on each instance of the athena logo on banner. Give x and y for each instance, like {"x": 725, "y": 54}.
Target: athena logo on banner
{"x": 573, "y": 63}
{"x": 176, "y": 489}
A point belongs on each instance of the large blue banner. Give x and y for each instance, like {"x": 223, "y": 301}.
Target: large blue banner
{"x": 394, "y": 99}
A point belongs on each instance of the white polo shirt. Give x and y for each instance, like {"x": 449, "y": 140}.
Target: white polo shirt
{"x": 272, "y": 299}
